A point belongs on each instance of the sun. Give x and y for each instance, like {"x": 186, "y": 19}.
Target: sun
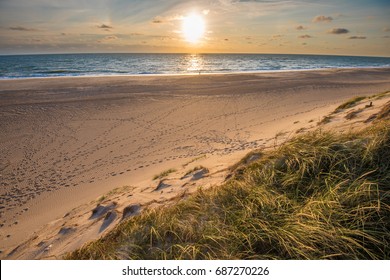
{"x": 193, "y": 28}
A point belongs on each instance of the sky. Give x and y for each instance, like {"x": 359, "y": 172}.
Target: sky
{"x": 350, "y": 27}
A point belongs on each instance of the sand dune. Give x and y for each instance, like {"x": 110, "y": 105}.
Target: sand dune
{"x": 65, "y": 142}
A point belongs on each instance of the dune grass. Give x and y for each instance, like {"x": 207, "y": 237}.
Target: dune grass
{"x": 350, "y": 103}
{"x": 384, "y": 113}
{"x": 164, "y": 173}
{"x": 325, "y": 120}
{"x": 196, "y": 168}
{"x": 379, "y": 95}
{"x": 321, "y": 195}
{"x": 354, "y": 101}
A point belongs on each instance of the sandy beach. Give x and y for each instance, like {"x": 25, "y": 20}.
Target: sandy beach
{"x": 67, "y": 143}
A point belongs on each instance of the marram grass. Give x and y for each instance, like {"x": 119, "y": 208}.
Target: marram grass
{"x": 164, "y": 174}
{"x": 350, "y": 103}
{"x": 320, "y": 196}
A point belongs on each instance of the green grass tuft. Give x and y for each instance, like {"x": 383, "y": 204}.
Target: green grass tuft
{"x": 164, "y": 174}
{"x": 325, "y": 120}
{"x": 321, "y": 195}
{"x": 196, "y": 168}
{"x": 350, "y": 103}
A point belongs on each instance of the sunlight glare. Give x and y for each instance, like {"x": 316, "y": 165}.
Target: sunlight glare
{"x": 193, "y": 28}
{"x": 195, "y": 63}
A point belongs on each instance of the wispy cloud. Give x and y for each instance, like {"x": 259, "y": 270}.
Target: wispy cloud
{"x": 166, "y": 19}
{"x": 157, "y": 20}
{"x": 322, "y": 19}
{"x": 108, "y": 39}
{"x": 386, "y": 29}
{"x": 338, "y": 31}
{"x": 357, "y": 37}
{"x": 105, "y": 26}
{"x": 305, "y": 36}
{"x": 112, "y": 37}
{"x": 21, "y": 28}
{"x": 300, "y": 27}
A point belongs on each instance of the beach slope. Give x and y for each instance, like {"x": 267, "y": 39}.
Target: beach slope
{"x": 68, "y": 143}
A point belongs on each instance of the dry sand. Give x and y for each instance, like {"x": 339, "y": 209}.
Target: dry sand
{"x": 65, "y": 142}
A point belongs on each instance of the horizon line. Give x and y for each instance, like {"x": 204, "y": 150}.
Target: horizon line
{"x": 191, "y": 53}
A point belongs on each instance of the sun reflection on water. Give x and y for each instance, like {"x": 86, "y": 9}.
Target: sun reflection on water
{"x": 194, "y": 63}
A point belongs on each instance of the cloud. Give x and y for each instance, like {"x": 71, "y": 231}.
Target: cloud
{"x": 386, "y": 29}
{"x": 338, "y": 31}
{"x": 358, "y": 37}
{"x": 112, "y": 37}
{"x": 322, "y": 19}
{"x": 166, "y": 19}
{"x": 105, "y": 26}
{"x": 157, "y": 20}
{"x": 108, "y": 39}
{"x": 300, "y": 27}
{"x": 21, "y": 28}
{"x": 305, "y": 36}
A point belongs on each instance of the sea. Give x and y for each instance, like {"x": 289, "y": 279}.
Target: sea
{"x": 58, "y": 65}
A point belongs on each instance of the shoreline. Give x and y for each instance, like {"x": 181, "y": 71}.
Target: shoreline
{"x": 197, "y": 73}
{"x": 67, "y": 142}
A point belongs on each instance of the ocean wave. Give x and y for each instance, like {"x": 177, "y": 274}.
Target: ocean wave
{"x": 31, "y": 66}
